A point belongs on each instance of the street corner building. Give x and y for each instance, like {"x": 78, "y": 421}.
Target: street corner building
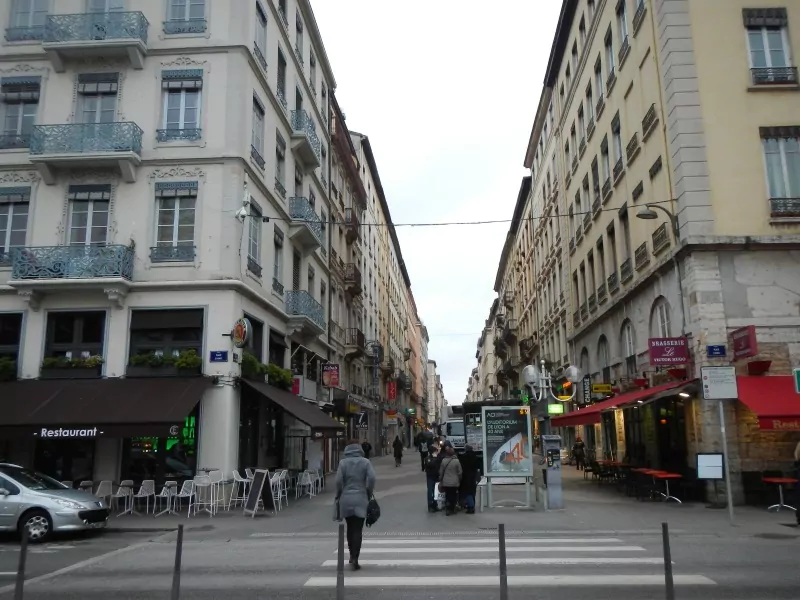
{"x": 656, "y": 233}
{"x": 194, "y": 269}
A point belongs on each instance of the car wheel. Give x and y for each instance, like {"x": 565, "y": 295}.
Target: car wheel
{"x": 38, "y": 524}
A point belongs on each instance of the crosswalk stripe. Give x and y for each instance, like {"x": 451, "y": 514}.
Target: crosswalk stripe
{"x": 485, "y": 541}
{"x": 7, "y": 573}
{"x": 473, "y": 561}
{"x": 429, "y": 550}
{"x": 621, "y": 580}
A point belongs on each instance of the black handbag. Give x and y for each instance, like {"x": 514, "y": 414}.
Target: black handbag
{"x": 373, "y": 512}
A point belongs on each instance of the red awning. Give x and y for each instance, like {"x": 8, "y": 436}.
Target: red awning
{"x": 591, "y": 414}
{"x": 773, "y": 399}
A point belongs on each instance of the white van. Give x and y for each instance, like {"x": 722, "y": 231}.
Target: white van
{"x": 453, "y": 431}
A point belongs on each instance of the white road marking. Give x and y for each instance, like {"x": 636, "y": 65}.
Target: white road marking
{"x": 487, "y": 541}
{"x": 453, "y": 562}
{"x": 621, "y": 580}
{"x": 456, "y": 549}
{"x": 7, "y": 574}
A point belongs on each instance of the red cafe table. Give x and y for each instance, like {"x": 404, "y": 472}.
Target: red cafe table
{"x": 780, "y": 482}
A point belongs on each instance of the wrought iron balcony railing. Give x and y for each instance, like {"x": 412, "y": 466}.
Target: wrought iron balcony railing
{"x": 12, "y": 141}
{"x": 641, "y": 256}
{"x": 619, "y": 168}
{"x": 184, "y": 26}
{"x": 774, "y": 76}
{"x": 638, "y": 16}
{"x": 25, "y": 34}
{"x": 86, "y": 138}
{"x": 649, "y": 121}
{"x": 277, "y": 286}
{"x": 613, "y": 282}
{"x": 301, "y": 303}
{"x": 72, "y": 262}
{"x": 602, "y": 293}
{"x": 584, "y": 311}
{"x": 171, "y": 135}
{"x": 352, "y": 277}
{"x": 95, "y": 26}
{"x": 355, "y": 337}
{"x": 607, "y": 188}
{"x": 592, "y": 302}
{"x": 661, "y": 239}
{"x": 302, "y": 123}
{"x": 352, "y": 225}
{"x": 632, "y": 149}
{"x": 301, "y": 211}
{"x": 159, "y": 254}
{"x": 784, "y": 207}
{"x": 625, "y": 271}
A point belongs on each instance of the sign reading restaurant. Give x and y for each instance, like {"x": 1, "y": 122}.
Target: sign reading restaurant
{"x": 668, "y": 351}
{"x": 46, "y": 432}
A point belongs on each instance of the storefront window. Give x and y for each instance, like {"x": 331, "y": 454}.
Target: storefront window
{"x": 74, "y": 335}
{"x": 10, "y": 332}
{"x": 65, "y": 460}
{"x": 166, "y": 332}
{"x": 160, "y": 458}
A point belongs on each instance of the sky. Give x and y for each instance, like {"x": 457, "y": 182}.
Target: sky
{"x": 447, "y": 92}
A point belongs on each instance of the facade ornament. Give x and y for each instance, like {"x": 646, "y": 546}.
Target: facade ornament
{"x": 116, "y": 296}
{"x": 19, "y": 177}
{"x": 178, "y": 173}
{"x": 183, "y": 61}
{"x": 84, "y": 175}
{"x": 31, "y": 298}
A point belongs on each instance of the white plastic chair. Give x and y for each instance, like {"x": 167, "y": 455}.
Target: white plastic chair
{"x": 239, "y": 490}
{"x": 250, "y": 474}
{"x": 305, "y": 485}
{"x": 124, "y": 492}
{"x": 168, "y": 493}
{"x": 147, "y": 490}
{"x": 284, "y": 485}
{"x": 187, "y": 491}
{"x": 217, "y": 478}
{"x": 203, "y": 499}
{"x": 104, "y": 490}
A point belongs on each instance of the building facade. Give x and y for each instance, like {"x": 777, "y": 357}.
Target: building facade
{"x": 660, "y": 223}
{"x": 154, "y": 226}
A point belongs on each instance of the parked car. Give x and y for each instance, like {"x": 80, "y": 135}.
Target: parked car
{"x": 33, "y": 502}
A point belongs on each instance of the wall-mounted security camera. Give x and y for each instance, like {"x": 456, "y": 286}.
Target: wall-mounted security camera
{"x": 242, "y": 213}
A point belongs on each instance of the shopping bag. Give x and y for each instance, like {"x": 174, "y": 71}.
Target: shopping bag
{"x": 373, "y": 512}
{"x": 337, "y": 513}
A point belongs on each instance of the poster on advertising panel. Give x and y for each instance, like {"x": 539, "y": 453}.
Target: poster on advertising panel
{"x": 507, "y": 441}
{"x": 330, "y": 375}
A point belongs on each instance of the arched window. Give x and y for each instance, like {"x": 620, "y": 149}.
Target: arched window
{"x": 584, "y": 364}
{"x": 603, "y": 359}
{"x": 628, "y": 346}
{"x": 660, "y": 325}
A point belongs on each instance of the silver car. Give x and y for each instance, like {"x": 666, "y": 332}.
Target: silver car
{"x": 41, "y": 505}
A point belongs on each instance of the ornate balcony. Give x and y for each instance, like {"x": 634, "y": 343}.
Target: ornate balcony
{"x": 162, "y": 254}
{"x": 584, "y": 311}
{"x": 86, "y": 145}
{"x": 352, "y": 225}
{"x": 355, "y": 342}
{"x": 306, "y": 315}
{"x": 784, "y": 208}
{"x": 305, "y": 228}
{"x": 510, "y": 330}
{"x": 508, "y": 297}
{"x": 500, "y": 346}
{"x": 352, "y": 279}
{"x": 649, "y": 122}
{"x": 576, "y": 319}
{"x": 775, "y": 76}
{"x": 596, "y": 206}
{"x": 592, "y": 302}
{"x": 43, "y": 269}
{"x": 305, "y": 141}
{"x": 88, "y": 35}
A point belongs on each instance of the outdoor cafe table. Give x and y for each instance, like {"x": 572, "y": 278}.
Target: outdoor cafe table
{"x": 780, "y": 482}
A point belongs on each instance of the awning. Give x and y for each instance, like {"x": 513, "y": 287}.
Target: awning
{"x": 773, "y": 399}
{"x": 88, "y": 408}
{"x": 310, "y": 414}
{"x": 591, "y": 414}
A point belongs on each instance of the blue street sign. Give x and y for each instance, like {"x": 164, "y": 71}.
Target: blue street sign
{"x": 715, "y": 351}
{"x": 217, "y": 356}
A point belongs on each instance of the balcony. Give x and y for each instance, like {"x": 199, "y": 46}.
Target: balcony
{"x": 42, "y": 269}
{"x": 352, "y": 280}
{"x": 624, "y": 50}
{"x": 108, "y": 35}
{"x": 649, "y": 122}
{"x": 638, "y": 17}
{"x": 596, "y": 206}
{"x": 607, "y": 189}
{"x": 86, "y": 145}
{"x": 613, "y": 283}
{"x": 774, "y": 76}
{"x": 584, "y": 311}
{"x": 352, "y": 225}
{"x": 355, "y": 342}
{"x": 619, "y": 169}
{"x": 164, "y": 254}
{"x": 602, "y": 293}
{"x": 641, "y": 257}
{"x": 305, "y": 141}
{"x": 387, "y": 366}
{"x": 306, "y": 315}
{"x": 527, "y": 346}
{"x": 500, "y": 346}
{"x": 592, "y": 302}
{"x": 784, "y": 208}
{"x": 576, "y": 319}
{"x": 661, "y": 240}
{"x": 625, "y": 271}
{"x": 305, "y": 228}
{"x": 590, "y": 129}
{"x": 508, "y": 298}
{"x": 336, "y": 331}
{"x": 632, "y": 149}
{"x": 510, "y": 330}
{"x": 587, "y": 222}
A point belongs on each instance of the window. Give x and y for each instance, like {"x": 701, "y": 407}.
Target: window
{"x": 571, "y": 222}
{"x": 567, "y": 155}
{"x": 75, "y": 334}
{"x": 257, "y": 134}
{"x": 768, "y": 41}
{"x": 103, "y": 6}
{"x": 622, "y": 23}
{"x": 88, "y": 214}
{"x": 260, "y": 42}
{"x": 281, "y": 88}
{"x": 311, "y": 278}
{"x": 280, "y": 163}
{"x": 660, "y": 319}
{"x": 324, "y": 166}
{"x": 176, "y": 215}
{"x": 591, "y": 7}
{"x": 586, "y": 193}
{"x": 573, "y": 139}
{"x": 182, "y": 98}
{"x": 312, "y": 72}
{"x": 186, "y": 16}
{"x": 14, "y": 202}
{"x": 782, "y": 159}
{"x": 581, "y": 124}
{"x": 616, "y": 137}
{"x": 582, "y": 32}
{"x": 166, "y": 332}
{"x": 569, "y": 84}
{"x": 605, "y": 160}
{"x": 298, "y": 42}
{"x": 628, "y": 340}
{"x": 609, "y": 46}
{"x": 324, "y": 225}
{"x": 324, "y": 105}
{"x": 601, "y": 262}
{"x": 598, "y": 79}
{"x": 28, "y": 19}
{"x": 277, "y": 262}
{"x": 97, "y": 97}
{"x": 595, "y": 177}
{"x": 298, "y": 182}
{"x": 254, "y": 238}
{"x": 624, "y": 223}
{"x": 20, "y": 97}
{"x": 589, "y": 104}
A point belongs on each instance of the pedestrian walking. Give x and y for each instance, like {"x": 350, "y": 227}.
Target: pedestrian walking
{"x": 579, "y": 454}
{"x": 366, "y": 447}
{"x": 450, "y": 473}
{"x": 425, "y": 442}
{"x": 397, "y": 446}
{"x": 432, "y": 478}
{"x": 355, "y": 484}
{"x": 470, "y": 466}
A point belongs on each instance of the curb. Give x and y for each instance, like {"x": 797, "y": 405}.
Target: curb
{"x": 140, "y": 529}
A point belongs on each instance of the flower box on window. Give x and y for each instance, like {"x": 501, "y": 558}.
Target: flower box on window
{"x": 186, "y": 364}
{"x": 71, "y": 368}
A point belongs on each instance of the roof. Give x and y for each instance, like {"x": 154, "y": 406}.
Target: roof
{"x": 303, "y": 411}
{"x": 560, "y": 41}
{"x": 522, "y": 197}
{"x": 373, "y": 166}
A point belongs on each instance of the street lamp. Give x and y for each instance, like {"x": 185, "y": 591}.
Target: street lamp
{"x": 648, "y": 212}
{"x": 540, "y": 381}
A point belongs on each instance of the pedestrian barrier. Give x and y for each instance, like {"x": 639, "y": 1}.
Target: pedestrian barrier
{"x": 176, "y": 573}
{"x": 19, "y": 588}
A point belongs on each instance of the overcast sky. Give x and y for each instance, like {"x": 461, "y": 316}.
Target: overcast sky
{"x": 447, "y": 92}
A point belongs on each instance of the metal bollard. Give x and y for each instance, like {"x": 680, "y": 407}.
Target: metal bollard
{"x": 501, "y": 534}
{"x": 23, "y": 556}
{"x": 340, "y": 565}
{"x": 176, "y": 573}
{"x": 670, "y": 585}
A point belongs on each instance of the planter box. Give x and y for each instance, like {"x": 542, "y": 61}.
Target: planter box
{"x": 71, "y": 373}
{"x": 168, "y": 371}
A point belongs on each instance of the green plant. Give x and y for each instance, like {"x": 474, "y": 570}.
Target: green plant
{"x": 280, "y": 378}
{"x": 8, "y": 368}
{"x": 60, "y": 362}
{"x": 251, "y": 368}
{"x": 188, "y": 360}
{"x": 151, "y": 359}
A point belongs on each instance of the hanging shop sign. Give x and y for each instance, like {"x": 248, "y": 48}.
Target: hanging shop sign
{"x": 391, "y": 390}
{"x": 668, "y": 351}
{"x": 602, "y": 388}
{"x": 744, "y": 342}
{"x": 241, "y": 332}
{"x": 330, "y": 375}
{"x": 507, "y": 441}
{"x": 362, "y": 420}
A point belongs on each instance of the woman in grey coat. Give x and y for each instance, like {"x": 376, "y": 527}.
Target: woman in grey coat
{"x": 355, "y": 482}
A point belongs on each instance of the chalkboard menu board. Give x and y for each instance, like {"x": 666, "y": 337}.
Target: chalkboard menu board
{"x": 260, "y": 489}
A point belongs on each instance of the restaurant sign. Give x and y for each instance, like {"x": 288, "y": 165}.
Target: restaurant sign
{"x": 790, "y": 424}
{"x": 744, "y": 342}
{"x": 668, "y": 351}
{"x": 60, "y": 432}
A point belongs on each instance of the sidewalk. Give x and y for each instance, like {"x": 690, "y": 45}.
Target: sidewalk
{"x": 401, "y": 494}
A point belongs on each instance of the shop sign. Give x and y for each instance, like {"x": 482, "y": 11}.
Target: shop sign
{"x": 46, "y": 432}
{"x": 391, "y": 390}
{"x": 362, "y": 420}
{"x": 668, "y": 351}
{"x": 330, "y": 375}
{"x": 779, "y": 424}
{"x": 241, "y": 332}
{"x": 744, "y": 342}
{"x": 507, "y": 441}
{"x": 587, "y": 389}
{"x": 602, "y": 388}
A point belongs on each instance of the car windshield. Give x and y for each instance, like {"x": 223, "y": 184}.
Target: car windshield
{"x": 455, "y": 428}
{"x": 31, "y": 479}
